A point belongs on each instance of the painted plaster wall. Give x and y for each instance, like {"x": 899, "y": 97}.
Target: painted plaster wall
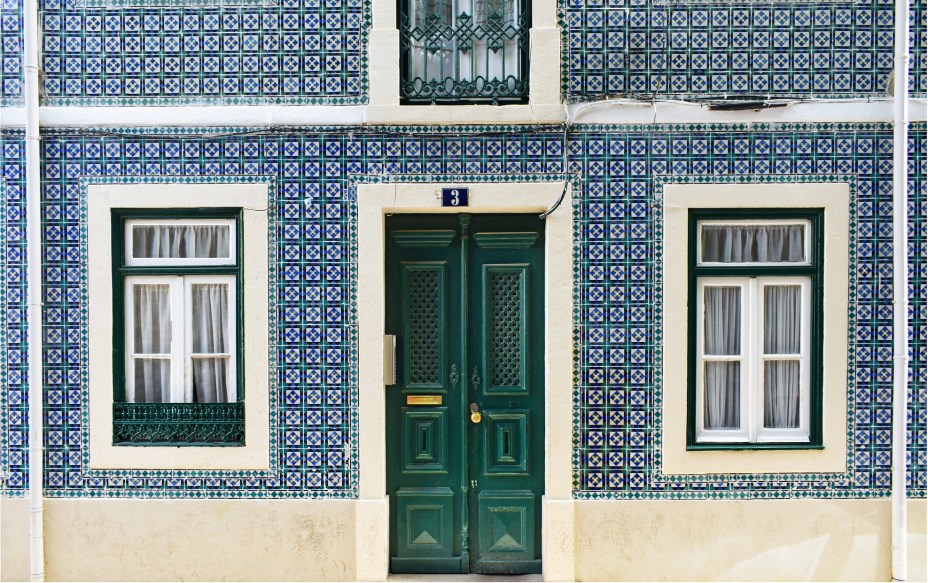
{"x": 769, "y": 540}
{"x": 757, "y": 540}
{"x": 618, "y": 387}
{"x": 14, "y": 539}
{"x": 203, "y": 540}
{"x": 110, "y": 52}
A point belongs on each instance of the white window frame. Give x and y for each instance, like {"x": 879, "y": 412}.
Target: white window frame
{"x": 752, "y": 361}
{"x": 253, "y": 196}
{"x": 181, "y": 355}
{"x": 806, "y": 243}
{"x": 133, "y": 261}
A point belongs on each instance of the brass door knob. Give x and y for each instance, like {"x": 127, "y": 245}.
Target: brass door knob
{"x": 475, "y": 417}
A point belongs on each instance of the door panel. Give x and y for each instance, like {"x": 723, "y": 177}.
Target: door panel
{"x": 507, "y": 442}
{"x": 425, "y": 301}
{"x": 465, "y": 420}
{"x": 507, "y": 526}
{"x": 505, "y": 292}
{"x": 425, "y": 440}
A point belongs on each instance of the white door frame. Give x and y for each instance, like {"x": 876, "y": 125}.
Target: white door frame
{"x": 374, "y": 202}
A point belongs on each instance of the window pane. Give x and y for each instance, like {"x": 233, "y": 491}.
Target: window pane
{"x": 152, "y": 381}
{"x": 722, "y": 321}
{"x": 463, "y": 49}
{"x": 781, "y": 394}
{"x": 210, "y": 318}
{"x": 180, "y": 241}
{"x": 152, "y": 317}
{"x": 210, "y": 380}
{"x": 753, "y": 243}
{"x": 782, "y": 319}
{"x": 722, "y": 395}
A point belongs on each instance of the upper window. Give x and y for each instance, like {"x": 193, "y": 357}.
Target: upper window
{"x": 464, "y": 51}
{"x": 176, "y": 283}
{"x": 755, "y": 320}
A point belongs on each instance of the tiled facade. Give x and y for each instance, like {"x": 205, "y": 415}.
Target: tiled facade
{"x": 604, "y": 388}
{"x": 618, "y": 173}
{"x": 143, "y": 52}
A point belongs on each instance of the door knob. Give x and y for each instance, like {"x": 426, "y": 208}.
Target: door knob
{"x": 475, "y": 415}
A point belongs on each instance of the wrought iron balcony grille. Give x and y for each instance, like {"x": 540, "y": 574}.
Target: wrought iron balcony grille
{"x": 464, "y": 51}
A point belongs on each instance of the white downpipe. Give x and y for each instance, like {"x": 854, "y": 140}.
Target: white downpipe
{"x": 900, "y": 291}
{"x": 34, "y": 283}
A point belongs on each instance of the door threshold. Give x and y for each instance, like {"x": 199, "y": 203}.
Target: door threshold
{"x": 438, "y": 578}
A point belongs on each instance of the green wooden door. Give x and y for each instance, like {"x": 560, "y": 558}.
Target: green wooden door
{"x": 465, "y": 419}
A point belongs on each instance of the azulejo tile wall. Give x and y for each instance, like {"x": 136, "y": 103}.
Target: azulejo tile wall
{"x": 618, "y": 385}
{"x": 313, "y": 51}
{"x": 11, "y": 52}
{"x": 701, "y": 49}
{"x": 180, "y": 52}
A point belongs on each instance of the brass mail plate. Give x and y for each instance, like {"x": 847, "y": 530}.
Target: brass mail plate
{"x": 423, "y": 399}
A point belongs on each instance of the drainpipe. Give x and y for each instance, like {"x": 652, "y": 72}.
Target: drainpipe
{"x": 900, "y": 291}
{"x": 34, "y": 286}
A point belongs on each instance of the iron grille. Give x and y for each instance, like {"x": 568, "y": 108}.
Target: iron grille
{"x": 464, "y": 51}
{"x": 179, "y": 423}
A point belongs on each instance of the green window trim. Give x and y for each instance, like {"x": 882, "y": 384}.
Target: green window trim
{"x": 175, "y": 424}
{"x": 814, "y": 270}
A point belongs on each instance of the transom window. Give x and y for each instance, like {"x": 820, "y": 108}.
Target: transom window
{"x": 177, "y": 289}
{"x": 464, "y": 51}
{"x": 755, "y": 317}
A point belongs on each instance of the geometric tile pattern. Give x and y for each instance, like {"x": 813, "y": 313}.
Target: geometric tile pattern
{"x": 306, "y": 51}
{"x": 702, "y": 49}
{"x": 11, "y": 52}
{"x": 294, "y": 51}
{"x": 617, "y": 170}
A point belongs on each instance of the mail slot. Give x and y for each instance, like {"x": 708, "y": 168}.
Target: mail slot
{"x": 423, "y": 399}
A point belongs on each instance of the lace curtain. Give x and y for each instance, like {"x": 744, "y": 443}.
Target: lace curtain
{"x": 782, "y": 320}
{"x": 180, "y": 241}
{"x": 153, "y": 340}
{"x": 752, "y": 243}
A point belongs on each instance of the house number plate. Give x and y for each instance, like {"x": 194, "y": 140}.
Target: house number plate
{"x": 454, "y": 197}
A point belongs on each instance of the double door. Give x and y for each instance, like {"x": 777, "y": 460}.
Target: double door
{"x": 465, "y": 417}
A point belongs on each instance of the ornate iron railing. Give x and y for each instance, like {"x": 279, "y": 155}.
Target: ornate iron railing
{"x": 464, "y": 51}
{"x": 179, "y": 423}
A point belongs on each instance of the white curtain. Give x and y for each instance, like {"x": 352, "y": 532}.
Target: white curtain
{"x": 434, "y": 65}
{"x": 782, "y": 330}
{"x": 152, "y": 336}
{"x": 752, "y": 243}
{"x": 180, "y": 241}
{"x": 210, "y": 327}
{"x": 722, "y": 380}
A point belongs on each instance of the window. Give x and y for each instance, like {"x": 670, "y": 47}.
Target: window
{"x": 755, "y": 315}
{"x": 464, "y": 50}
{"x": 177, "y": 281}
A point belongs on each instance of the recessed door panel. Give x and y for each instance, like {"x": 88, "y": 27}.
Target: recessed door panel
{"x": 507, "y": 525}
{"x": 505, "y": 289}
{"x": 424, "y": 304}
{"x": 425, "y": 440}
{"x": 507, "y": 450}
{"x": 425, "y": 519}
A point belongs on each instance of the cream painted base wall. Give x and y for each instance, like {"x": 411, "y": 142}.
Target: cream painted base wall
{"x": 751, "y": 540}
{"x": 187, "y": 540}
{"x": 14, "y": 539}
{"x": 314, "y": 540}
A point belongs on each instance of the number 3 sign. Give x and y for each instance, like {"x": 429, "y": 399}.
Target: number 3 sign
{"x": 454, "y": 197}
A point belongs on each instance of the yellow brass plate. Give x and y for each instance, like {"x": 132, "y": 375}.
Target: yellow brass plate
{"x": 423, "y": 399}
